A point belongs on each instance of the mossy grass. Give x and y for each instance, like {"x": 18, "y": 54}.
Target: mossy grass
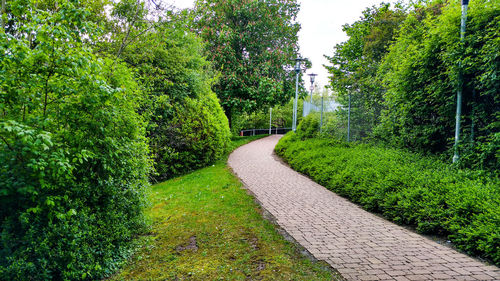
{"x": 206, "y": 227}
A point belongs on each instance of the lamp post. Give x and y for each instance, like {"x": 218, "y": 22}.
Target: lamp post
{"x": 312, "y": 77}
{"x": 349, "y": 119}
{"x": 321, "y": 118}
{"x": 298, "y": 60}
{"x": 270, "y": 119}
{"x": 456, "y": 155}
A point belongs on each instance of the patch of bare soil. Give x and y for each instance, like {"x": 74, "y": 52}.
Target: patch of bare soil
{"x": 191, "y": 245}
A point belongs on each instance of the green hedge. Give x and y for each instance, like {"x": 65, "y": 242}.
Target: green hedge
{"x": 406, "y": 188}
{"x": 309, "y": 126}
{"x": 197, "y": 135}
{"x": 74, "y": 158}
{"x": 187, "y": 128}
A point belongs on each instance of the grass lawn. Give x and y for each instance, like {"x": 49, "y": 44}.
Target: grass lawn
{"x": 206, "y": 227}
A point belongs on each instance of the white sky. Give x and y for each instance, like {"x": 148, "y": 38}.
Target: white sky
{"x": 321, "y": 30}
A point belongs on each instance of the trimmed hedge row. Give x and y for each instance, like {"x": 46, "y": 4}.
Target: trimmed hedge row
{"x": 406, "y": 188}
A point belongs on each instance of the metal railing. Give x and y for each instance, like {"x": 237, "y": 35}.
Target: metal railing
{"x": 271, "y": 131}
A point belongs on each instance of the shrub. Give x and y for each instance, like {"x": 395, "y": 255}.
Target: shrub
{"x": 73, "y": 154}
{"x": 309, "y": 126}
{"x": 407, "y": 188}
{"x": 187, "y": 128}
{"x": 197, "y": 135}
{"x": 282, "y": 115}
{"x": 421, "y": 72}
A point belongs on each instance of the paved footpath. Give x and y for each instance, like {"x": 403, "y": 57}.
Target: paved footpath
{"x": 360, "y": 245}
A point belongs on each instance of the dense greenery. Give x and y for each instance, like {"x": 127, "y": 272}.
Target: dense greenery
{"x": 421, "y": 73}
{"x": 187, "y": 127}
{"x": 206, "y": 227}
{"x": 309, "y": 126}
{"x": 90, "y": 104}
{"x": 405, "y": 187}
{"x": 355, "y": 63}
{"x": 281, "y": 118}
{"x": 402, "y": 68}
{"x": 253, "y": 44}
{"x": 98, "y": 97}
{"x": 197, "y": 135}
{"x": 74, "y": 157}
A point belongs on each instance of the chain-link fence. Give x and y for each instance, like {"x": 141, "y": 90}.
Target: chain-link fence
{"x": 328, "y": 111}
{"x": 342, "y": 122}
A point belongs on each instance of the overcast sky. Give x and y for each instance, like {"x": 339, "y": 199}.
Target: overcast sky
{"x": 321, "y": 30}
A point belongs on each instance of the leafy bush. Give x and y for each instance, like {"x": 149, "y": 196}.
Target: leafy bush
{"x": 187, "y": 128}
{"x": 309, "y": 126}
{"x": 282, "y": 116}
{"x": 73, "y": 153}
{"x": 421, "y": 75}
{"x": 401, "y": 68}
{"x": 197, "y": 135}
{"x": 407, "y": 188}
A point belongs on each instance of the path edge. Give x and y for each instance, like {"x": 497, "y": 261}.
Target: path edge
{"x": 272, "y": 219}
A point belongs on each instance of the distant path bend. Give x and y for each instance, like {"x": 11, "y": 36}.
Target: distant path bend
{"x": 360, "y": 245}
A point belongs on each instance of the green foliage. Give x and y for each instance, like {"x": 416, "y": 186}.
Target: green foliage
{"x": 309, "y": 126}
{"x": 253, "y": 44}
{"x": 334, "y": 125}
{"x": 355, "y": 63}
{"x": 403, "y": 68}
{"x": 406, "y": 188}
{"x": 197, "y": 135}
{"x": 187, "y": 128}
{"x": 73, "y": 153}
{"x": 281, "y": 118}
{"x": 422, "y": 71}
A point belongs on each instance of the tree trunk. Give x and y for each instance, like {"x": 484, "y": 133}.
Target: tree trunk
{"x": 229, "y": 116}
{"x": 2, "y": 12}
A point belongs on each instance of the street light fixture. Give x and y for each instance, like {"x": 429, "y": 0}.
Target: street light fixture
{"x": 312, "y": 76}
{"x": 456, "y": 155}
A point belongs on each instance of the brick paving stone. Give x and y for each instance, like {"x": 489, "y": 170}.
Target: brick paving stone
{"x": 362, "y": 246}
{"x": 481, "y": 277}
{"x": 417, "y": 277}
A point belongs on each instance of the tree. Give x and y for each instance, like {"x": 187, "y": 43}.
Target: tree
{"x": 356, "y": 61}
{"x": 73, "y": 154}
{"x": 421, "y": 73}
{"x": 187, "y": 128}
{"x": 253, "y": 44}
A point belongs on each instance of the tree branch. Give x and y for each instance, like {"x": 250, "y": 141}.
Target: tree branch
{"x": 7, "y": 143}
{"x": 122, "y": 46}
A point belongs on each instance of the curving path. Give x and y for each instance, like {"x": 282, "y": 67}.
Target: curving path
{"x": 360, "y": 245}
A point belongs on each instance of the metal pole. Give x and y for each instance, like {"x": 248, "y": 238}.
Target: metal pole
{"x": 309, "y": 105}
{"x": 349, "y": 119}
{"x": 456, "y": 155}
{"x": 321, "y": 119}
{"x": 311, "y": 99}
{"x": 294, "y": 127}
{"x": 270, "y": 118}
